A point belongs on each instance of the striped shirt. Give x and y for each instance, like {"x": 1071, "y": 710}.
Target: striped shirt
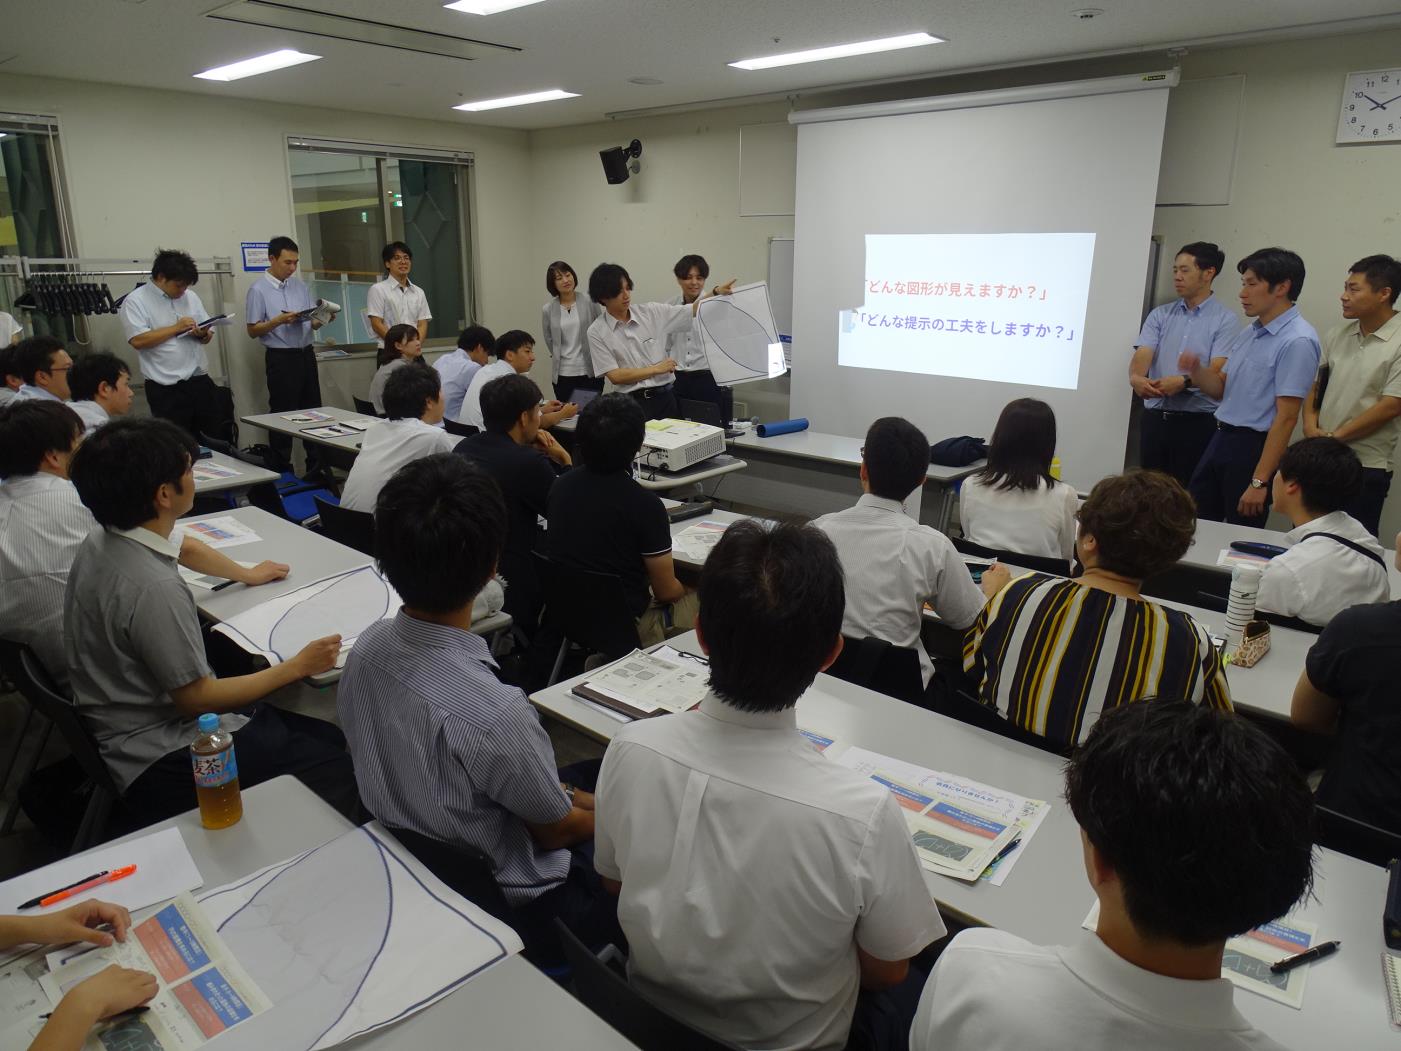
{"x": 442, "y": 748}
{"x": 1051, "y": 654}
{"x": 42, "y": 525}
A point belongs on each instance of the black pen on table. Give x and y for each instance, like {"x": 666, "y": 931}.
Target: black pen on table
{"x": 1318, "y": 952}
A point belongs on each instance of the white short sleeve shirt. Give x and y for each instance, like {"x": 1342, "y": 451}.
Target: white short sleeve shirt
{"x": 471, "y": 412}
{"x": 9, "y": 329}
{"x": 751, "y": 870}
{"x": 1316, "y": 579}
{"x": 148, "y": 308}
{"x": 397, "y": 304}
{"x": 995, "y": 992}
{"x": 637, "y": 342}
{"x": 1037, "y": 521}
{"x": 386, "y": 448}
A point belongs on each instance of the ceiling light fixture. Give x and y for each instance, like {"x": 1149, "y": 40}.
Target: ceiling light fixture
{"x": 822, "y": 54}
{"x": 251, "y": 67}
{"x": 517, "y": 100}
{"x": 487, "y": 7}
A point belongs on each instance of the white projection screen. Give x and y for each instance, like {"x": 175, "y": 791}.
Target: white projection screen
{"x": 949, "y": 261}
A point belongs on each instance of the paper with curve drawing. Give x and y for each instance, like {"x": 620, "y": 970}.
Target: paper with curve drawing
{"x": 345, "y": 605}
{"x": 1248, "y": 957}
{"x": 1022, "y": 814}
{"x": 347, "y": 938}
{"x": 696, "y": 542}
{"x": 740, "y": 336}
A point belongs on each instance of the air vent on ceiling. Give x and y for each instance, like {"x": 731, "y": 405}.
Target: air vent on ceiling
{"x": 359, "y": 30}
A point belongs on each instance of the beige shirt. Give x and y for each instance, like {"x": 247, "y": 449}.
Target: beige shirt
{"x": 1364, "y": 369}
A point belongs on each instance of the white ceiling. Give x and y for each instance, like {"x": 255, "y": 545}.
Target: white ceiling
{"x": 593, "y": 47}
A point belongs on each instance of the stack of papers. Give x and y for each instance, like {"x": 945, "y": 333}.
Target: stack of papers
{"x": 307, "y": 416}
{"x": 223, "y": 531}
{"x": 695, "y": 542}
{"x": 645, "y": 684}
{"x": 960, "y": 828}
{"x": 1230, "y": 557}
{"x": 204, "y": 471}
{"x": 343, "y": 429}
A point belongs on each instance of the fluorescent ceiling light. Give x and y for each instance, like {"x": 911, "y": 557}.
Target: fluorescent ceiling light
{"x": 251, "y": 67}
{"x": 487, "y": 7}
{"x": 517, "y": 100}
{"x": 822, "y": 54}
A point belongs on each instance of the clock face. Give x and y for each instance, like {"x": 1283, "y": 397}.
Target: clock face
{"x": 1371, "y": 110}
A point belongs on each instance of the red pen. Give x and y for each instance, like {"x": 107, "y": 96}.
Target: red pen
{"x": 68, "y": 892}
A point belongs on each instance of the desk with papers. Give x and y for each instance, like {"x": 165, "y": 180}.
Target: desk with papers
{"x": 309, "y": 425}
{"x": 1046, "y": 897}
{"x": 217, "y": 473}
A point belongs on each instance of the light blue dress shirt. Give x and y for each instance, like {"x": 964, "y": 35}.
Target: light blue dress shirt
{"x": 456, "y": 370}
{"x": 29, "y": 392}
{"x": 1278, "y": 360}
{"x": 1208, "y": 328}
{"x": 268, "y": 297}
{"x": 148, "y": 308}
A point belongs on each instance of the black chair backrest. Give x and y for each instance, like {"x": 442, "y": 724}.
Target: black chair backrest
{"x": 462, "y": 430}
{"x": 1349, "y": 835}
{"x": 465, "y": 869}
{"x": 1280, "y": 620}
{"x": 700, "y": 412}
{"x": 35, "y": 684}
{"x": 364, "y": 408}
{"x": 948, "y": 696}
{"x": 881, "y": 666}
{"x": 352, "y": 528}
{"x": 1193, "y": 585}
{"x": 588, "y": 608}
{"x": 608, "y": 995}
{"x": 1056, "y": 567}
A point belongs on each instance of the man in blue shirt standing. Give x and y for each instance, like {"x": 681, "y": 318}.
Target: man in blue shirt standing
{"x": 273, "y": 311}
{"x": 1178, "y": 420}
{"x": 1271, "y": 367}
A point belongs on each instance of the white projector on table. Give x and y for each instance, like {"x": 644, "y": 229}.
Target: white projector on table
{"x": 674, "y": 445}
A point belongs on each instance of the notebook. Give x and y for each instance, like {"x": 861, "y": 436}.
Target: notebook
{"x": 1391, "y": 978}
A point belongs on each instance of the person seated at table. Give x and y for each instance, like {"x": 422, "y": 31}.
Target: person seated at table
{"x": 770, "y": 897}
{"x": 43, "y": 523}
{"x": 43, "y": 365}
{"x": 100, "y": 383}
{"x": 1050, "y": 654}
{"x": 1196, "y": 827}
{"x": 894, "y": 565}
{"x": 1332, "y": 562}
{"x": 524, "y": 460}
{"x": 601, "y": 520}
{"x": 402, "y": 344}
{"x": 413, "y": 401}
{"x": 442, "y": 747}
{"x": 457, "y": 367}
{"x": 1013, "y": 504}
{"x": 515, "y": 354}
{"x": 110, "y": 991}
{"x": 10, "y": 379}
{"x": 132, "y": 638}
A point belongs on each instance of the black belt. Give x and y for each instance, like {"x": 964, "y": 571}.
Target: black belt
{"x": 648, "y": 393}
{"x": 1231, "y": 428}
{"x": 292, "y": 350}
{"x": 1165, "y": 413}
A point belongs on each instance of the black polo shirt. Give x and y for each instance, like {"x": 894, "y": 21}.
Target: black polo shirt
{"x": 608, "y": 523}
{"x": 1357, "y": 660}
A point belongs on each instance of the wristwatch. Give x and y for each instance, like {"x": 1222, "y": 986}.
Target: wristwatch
{"x": 1255, "y": 483}
{"x": 569, "y": 791}
{"x": 1186, "y": 381}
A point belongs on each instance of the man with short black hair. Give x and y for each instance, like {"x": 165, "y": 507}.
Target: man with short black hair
{"x": 162, "y": 322}
{"x": 1273, "y": 362}
{"x": 442, "y": 747}
{"x": 893, "y": 564}
{"x": 1178, "y": 420}
{"x": 515, "y": 355}
{"x": 135, "y": 653}
{"x": 457, "y": 367}
{"x": 1341, "y": 564}
{"x": 394, "y": 299}
{"x": 761, "y": 887}
{"x": 1356, "y": 397}
{"x": 413, "y": 401}
{"x": 602, "y": 520}
{"x": 274, "y": 311}
{"x": 43, "y": 365}
{"x": 694, "y": 380}
{"x": 524, "y": 459}
{"x": 1196, "y": 827}
{"x": 10, "y": 379}
{"x": 43, "y": 523}
{"x": 628, "y": 340}
{"x": 100, "y": 383}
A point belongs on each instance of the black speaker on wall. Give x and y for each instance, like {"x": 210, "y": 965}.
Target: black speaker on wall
{"x": 621, "y": 161}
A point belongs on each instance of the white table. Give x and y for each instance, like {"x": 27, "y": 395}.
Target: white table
{"x": 661, "y": 481}
{"x": 813, "y": 473}
{"x": 1213, "y": 537}
{"x": 1047, "y": 896}
{"x": 275, "y": 423}
{"x": 684, "y": 561}
{"x": 246, "y": 475}
{"x": 508, "y": 1007}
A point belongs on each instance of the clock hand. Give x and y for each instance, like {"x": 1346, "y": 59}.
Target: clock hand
{"x": 1374, "y": 102}
{"x": 1389, "y": 101}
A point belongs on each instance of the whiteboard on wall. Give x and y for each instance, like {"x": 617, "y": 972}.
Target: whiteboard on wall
{"x": 1199, "y": 141}
{"x": 768, "y": 168}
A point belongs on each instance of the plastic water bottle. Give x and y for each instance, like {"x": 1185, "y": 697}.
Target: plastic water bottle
{"x": 1240, "y": 605}
{"x": 216, "y": 774}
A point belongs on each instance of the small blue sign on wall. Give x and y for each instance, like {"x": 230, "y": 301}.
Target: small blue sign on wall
{"x": 255, "y": 255}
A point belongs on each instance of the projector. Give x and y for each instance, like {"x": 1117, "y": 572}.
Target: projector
{"x": 674, "y": 445}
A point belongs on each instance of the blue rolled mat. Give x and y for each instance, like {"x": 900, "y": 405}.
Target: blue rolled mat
{"x": 769, "y": 430}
